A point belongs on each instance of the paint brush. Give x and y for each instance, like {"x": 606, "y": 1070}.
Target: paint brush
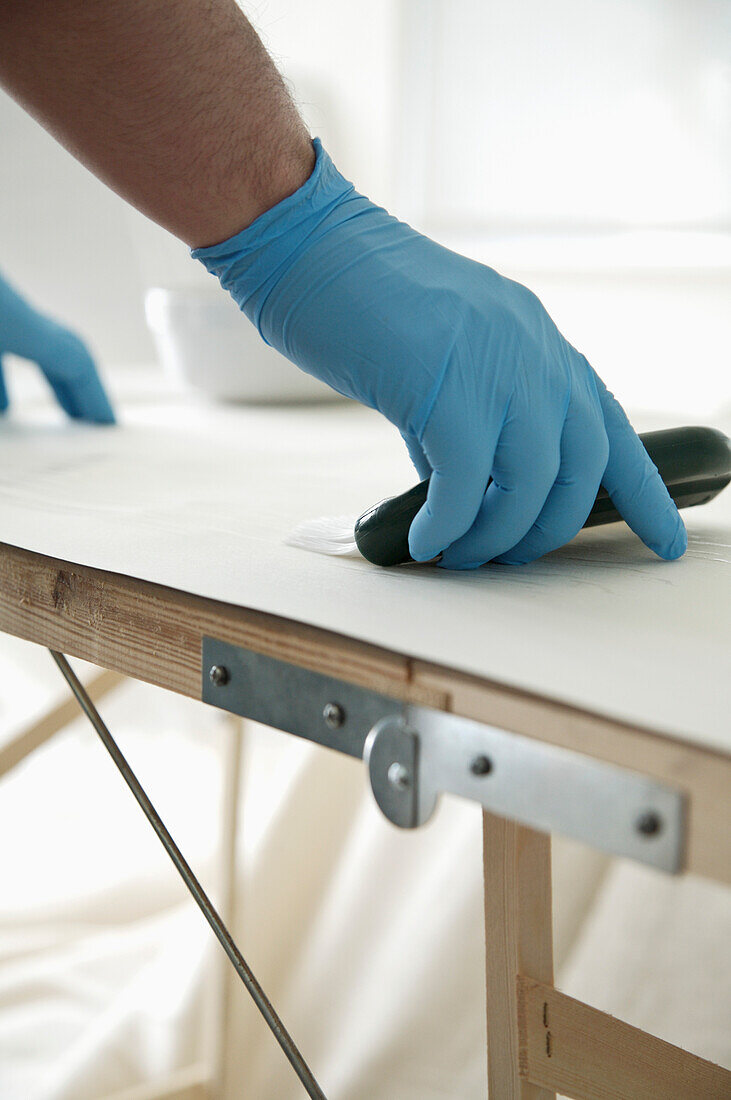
{"x": 694, "y": 463}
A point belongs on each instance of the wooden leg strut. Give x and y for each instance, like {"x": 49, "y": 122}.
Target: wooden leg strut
{"x": 594, "y": 1056}
{"x": 518, "y": 941}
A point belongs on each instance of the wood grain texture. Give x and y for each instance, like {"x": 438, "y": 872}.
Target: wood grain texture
{"x": 703, "y": 775}
{"x": 518, "y": 940}
{"x": 581, "y": 1052}
{"x": 154, "y": 633}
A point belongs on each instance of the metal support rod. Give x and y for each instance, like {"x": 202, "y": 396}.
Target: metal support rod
{"x": 201, "y": 898}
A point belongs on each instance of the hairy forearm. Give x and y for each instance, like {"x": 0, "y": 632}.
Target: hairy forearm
{"x": 174, "y": 103}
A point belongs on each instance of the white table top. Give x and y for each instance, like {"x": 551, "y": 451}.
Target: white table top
{"x": 201, "y": 498}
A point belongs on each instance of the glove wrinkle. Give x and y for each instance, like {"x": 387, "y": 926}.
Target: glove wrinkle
{"x": 465, "y": 363}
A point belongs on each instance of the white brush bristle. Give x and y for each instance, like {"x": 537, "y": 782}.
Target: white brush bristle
{"x": 326, "y": 535}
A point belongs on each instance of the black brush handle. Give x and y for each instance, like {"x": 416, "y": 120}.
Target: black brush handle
{"x": 694, "y": 463}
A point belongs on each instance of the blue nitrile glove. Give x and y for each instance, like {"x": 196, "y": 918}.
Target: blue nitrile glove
{"x": 61, "y": 355}
{"x": 467, "y": 364}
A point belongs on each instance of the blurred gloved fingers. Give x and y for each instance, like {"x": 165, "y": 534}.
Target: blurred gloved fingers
{"x": 636, "y": 488}
{"x": 527, "y": 461}
{"x": 73, "y": 377}
{"x": 417, "y": 456}
{"x": 61, "y": 355}
{"x": 3, "y": 388}
{"x": 584, "y": 454}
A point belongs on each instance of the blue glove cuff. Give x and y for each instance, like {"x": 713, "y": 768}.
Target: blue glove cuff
{"x": 249, "y": 263}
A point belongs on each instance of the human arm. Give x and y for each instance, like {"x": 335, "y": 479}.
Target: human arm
{"x": 467, "y": 364}
{"x": 178, "y": 107}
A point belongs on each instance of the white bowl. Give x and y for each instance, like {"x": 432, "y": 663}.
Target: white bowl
{"x": 203, "y": 340}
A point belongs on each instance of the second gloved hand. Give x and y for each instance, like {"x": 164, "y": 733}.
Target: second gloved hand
{"x": 467, "y": 364}
{"x": 61, "y": 355}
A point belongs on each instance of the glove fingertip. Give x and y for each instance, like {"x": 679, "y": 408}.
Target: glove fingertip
{"x": 676, "y": 548}
{"x": 90, "y": 401}
{"x": 421, "y": 546}
{"x": 425, "y": 539}
{"x": 460, "y": 567}
{"x": 103, "y": 413}
{"x": 514, "y": 559}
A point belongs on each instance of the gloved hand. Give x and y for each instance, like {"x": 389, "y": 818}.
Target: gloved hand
{"x": 467, "y": 364}
{"x": 61, "y": 355}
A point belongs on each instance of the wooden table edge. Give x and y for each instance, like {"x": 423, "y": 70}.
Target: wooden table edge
{"x": 153, "y": 633}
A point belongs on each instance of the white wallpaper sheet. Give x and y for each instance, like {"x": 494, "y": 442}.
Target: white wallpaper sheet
{"x": 202, "y": 498}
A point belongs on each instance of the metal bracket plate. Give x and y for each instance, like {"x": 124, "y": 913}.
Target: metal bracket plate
{"x": 287, "y": 697}
{"x": 414, "y": 754}
{"x": 550, "y": 788}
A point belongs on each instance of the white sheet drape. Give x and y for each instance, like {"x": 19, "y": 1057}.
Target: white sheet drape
{"x": 368, "y": 940}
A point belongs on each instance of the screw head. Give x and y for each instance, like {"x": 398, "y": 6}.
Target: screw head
{"x": 219, "y": 675}
{"x": 649, "y": 823}
{"x": 334, "y": 715}
{"x": 398, "y": 776}
{"x": 481, "y": 765}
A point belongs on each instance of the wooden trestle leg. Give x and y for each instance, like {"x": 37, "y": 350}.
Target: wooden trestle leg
{"x": 518, "y": 941}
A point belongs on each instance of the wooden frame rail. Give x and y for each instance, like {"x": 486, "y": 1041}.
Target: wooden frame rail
{"x": 154, "y": 633}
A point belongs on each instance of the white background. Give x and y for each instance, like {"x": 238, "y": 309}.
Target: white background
{"x": 583, "y": 147}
